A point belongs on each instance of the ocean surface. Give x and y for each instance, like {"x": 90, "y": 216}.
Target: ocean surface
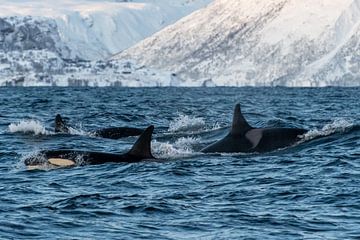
{"x": 307, "y": 191}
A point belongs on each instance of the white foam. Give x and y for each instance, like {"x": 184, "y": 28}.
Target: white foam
{"x": 181, "y": 148}
{"x": 337, "y": 126}
{"x": 215, "y": 126}
{"x": 186, "y": 123}
{"x": 20, "y": 165}
{"x": 79, "y": 131}
{"x": 29, "y": 126}
{"x": 41, "y": 161}
{"x": 79, "y": 160}
{"x": 36, "y": 127}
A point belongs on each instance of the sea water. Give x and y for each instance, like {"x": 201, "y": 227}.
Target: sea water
{"x": 307, "y": 191}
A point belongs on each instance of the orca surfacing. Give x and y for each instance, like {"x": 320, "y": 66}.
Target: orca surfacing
{"x": 112, "y": 133}
{"x": 141, "y": 150}
{"x": 244, "y": 138}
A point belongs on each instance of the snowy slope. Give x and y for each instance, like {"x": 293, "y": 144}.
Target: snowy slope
{"x": 87, "y": 29}
{"x": 272, "y": 42}
{"x": 69, "y": 42}
{"x": 45, "y": 68}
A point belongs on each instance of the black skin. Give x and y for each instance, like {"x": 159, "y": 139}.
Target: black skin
{"x": 244, "y": 138}
{"x": 118, "y": 132}
{"x": 112, "y": 133}
{"x": 275, "y": 138}
{"x": 139, "y": 152}
{"x": 83, "y": 157}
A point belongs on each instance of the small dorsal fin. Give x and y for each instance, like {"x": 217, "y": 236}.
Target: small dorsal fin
{"x": 142, "y": 147}
{"x": 60, "y": 125}
{"x": 239, "y": 124}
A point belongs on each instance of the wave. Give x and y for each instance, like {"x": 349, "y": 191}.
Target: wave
{"x": 40, "y": 159}
{"x": 80, "y": 131}
{"x": 186, "y": 123}
{"x": 180, "y": 148}
{"x": 30, "y": 126}
{"x": 183, "y": 125}
{"x": 337, "y": 126}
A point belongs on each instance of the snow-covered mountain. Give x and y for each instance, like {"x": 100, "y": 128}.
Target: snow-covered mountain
{"x": 85, "y": 29}
{"x": 258, "y": 42}
{"x": 224, "y": 42}
{"x": 68, "y": 42}
{"x": 44, "y": 68}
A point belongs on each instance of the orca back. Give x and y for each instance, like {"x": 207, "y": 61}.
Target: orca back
{"x": 276, "y": 138}
{"x": 118, "y": 132}
{"x": 244, "y": 138}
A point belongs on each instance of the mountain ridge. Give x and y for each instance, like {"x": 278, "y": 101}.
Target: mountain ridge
{"x": 91, "y": 30}
{"x": 258, "y": 43}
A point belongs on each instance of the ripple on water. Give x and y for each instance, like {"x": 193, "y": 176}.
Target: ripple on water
{"x": 309, "y": 191}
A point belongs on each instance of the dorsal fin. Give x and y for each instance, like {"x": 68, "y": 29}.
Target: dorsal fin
{"x": 142, "y": 147}
{"x": 239, "y": 124}
{"x": 60, "y": 125}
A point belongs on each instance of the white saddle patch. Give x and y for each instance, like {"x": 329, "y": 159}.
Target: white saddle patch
{"x": 61, "y": 162}
{"x": 52, "y": 163}
{"x": 254, "y": 136}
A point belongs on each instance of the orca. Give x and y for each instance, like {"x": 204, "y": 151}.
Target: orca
{"x": 112, "y": 133}
{"x": 140, "y": 151}
{"x": 243, "y": 138}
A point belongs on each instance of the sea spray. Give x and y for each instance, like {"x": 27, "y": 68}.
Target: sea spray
{"x": 337, "y": 126}
{"x": 182, "y": 147}
{"x": 35, "y": 127}
{"x": 186, "y": 123}
{"x": 28, "y": 126}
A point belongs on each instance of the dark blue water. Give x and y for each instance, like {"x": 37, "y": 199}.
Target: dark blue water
{"x": 309, "y": 191}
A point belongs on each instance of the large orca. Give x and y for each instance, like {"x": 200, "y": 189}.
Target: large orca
{"x": 244, "y": 138}
{"x": 141, "y": 150}
{"x": 112, "y": 133}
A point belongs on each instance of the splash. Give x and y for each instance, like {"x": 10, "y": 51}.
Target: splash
{"x": 214, "y": 127}
{"x": 38, "y": 161}
{"x": 29, "y": 126}
{"x": 37, "y": 158}
{"x": 181, "y": 148}
{"x": 36, "y": 127}
{"x": 80, "y": 131}
{"x": 79, "y": 160}
{"x": 337, "y": 126}
{"x": 186, "y": 123}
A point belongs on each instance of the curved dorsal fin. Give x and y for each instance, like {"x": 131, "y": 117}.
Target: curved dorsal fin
{"x": 239, "y": 124}
{"x": 60, "y": 125}
{"x": 142, "y": 147}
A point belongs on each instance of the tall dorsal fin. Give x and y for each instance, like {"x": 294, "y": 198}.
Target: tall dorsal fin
{"x": 239, "y": 124}
{"x": 60, "y": 125}
{"x": 142, "y": 147}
